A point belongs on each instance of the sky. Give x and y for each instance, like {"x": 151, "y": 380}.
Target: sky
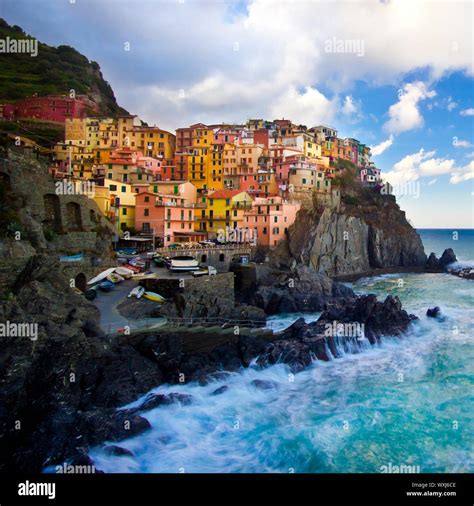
{"x": 397, "y": 75}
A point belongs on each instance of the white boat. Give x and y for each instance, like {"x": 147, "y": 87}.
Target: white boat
{"x": 101, "y": 276}
{"x": 124, "y": 272}
{"x": 137, "y": 292}
{"x": 183, "y": 263}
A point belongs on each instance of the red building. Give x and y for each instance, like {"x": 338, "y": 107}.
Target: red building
{"x": 50, "y": 108}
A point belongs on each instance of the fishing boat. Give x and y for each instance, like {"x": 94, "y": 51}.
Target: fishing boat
{"x": 184, "y": 263}
{"x": 107, "y": 286}
{"x": 115, "y": 278}
{"x": 124, "y": 272}
{"x": 156, "y": 297}
{"x": 101, "y": 276}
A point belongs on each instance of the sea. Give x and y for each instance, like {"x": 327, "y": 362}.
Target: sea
{"x": 407, "y": 403}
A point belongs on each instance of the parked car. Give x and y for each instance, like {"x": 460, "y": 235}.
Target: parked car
{"x": 207, "y": 271}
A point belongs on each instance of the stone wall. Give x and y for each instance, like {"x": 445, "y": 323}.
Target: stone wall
{"x": 207, "y": 296}
{"x": 51, "y": 222}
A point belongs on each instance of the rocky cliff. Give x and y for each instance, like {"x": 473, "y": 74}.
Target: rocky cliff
{"x": 365, "y": 231}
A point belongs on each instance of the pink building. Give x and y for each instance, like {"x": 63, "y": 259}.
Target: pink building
{"x": 168, "y": 217}
{"x": 270, "y": 218}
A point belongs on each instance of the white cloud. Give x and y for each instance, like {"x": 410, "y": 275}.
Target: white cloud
{"x": 459, "y": 143}
{"x": 467, "y": 112}
{"x": 279, "y": 50}
{"x": 422, "y": 164}
{"x": 433, "y": 181}
{"x": 463, "y": 174}
{"x": 451, "y": 104}
{"x": 349, "y": 106}
{"x": 405, "y": 115}
{"x": 470, "y": 155}
{"x": 309, "y": 108}
{"x": 380, "y": 148}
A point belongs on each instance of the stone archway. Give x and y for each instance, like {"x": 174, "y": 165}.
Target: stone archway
{"x": 74, "y": 217}
{"x": 52, "y": 212}
{"x": 80, "y": 281}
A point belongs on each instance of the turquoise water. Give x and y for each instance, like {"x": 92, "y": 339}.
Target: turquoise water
{"x": 407, "y": 402}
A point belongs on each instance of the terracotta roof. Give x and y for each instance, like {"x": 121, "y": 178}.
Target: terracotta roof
{"x": 224, "y": 194}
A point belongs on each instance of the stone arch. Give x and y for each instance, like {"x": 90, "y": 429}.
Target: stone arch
{"x": 74, "y": 217}
{"x": 80, "y": 281}
{"x": 221, "y": 257}
{"x": 203, "y": 258}
{"x": 52, "y": 212}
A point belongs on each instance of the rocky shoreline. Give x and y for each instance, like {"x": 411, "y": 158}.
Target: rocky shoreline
{"x": 60, "y": 393}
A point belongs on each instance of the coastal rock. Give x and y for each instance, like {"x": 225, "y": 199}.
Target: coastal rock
{"x": 368, "y": 231}
{"x": 118, "y": 451}
{"x": 433, "y": 312}
{"x": 448, "y": 257}
{"x": 153, "y": 401}
{"x": 264, "y": 384}
{"x": 220, "y": 390}
{"x": 302, "y": 289}
{"x": 432, "y": 264}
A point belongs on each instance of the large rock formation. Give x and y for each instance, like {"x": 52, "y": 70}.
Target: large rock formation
{"x": 367, "y": 231}
{"x": 287, "y": 290}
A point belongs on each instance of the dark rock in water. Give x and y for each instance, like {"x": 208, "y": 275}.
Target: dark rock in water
{"x": 288, "y": 351}
{"x": 118, "y": 451}
{"x": 433, "y": 312}
{"x": 153, "y": 401}
{"x": 264, "y": 384}
{"x": 432, "y": 263}
{"x": 220, "y": 390}
{"x": 448, "y": 257}
{"x": 81, "y": 458}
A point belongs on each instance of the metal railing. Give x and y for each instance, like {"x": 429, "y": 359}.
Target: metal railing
{"x": 126, "y": 327}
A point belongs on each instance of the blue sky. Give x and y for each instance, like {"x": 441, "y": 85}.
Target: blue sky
{"x": 388, "y": 73}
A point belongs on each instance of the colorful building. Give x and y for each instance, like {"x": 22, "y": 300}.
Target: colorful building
{"x": 269, "y": 219}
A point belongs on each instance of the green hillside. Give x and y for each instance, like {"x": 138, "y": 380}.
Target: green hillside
{"x": 54, "y": 70}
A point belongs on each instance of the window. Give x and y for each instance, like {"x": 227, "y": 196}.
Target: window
{"x": 146, "y": 212}
{"x": 264, "y": 230}
{"x": 124, "y": 211}
{"x": 227, "y": 202}
{"x": 304, "y": 181}
{"x": 275, "y": 219}
{"x": 146, "y": 198}
{"x": 123, "y": 189}
{"x": 113, "y": 187}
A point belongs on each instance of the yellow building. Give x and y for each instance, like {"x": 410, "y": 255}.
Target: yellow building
{"x": 202, "y": 137}
{"x": 225, "y": 208}
{"x": 215, "y": 175}
{"x": 198, "y": 165}
{"x": 117, "y": 202}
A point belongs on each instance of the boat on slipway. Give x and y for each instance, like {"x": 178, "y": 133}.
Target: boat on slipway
{"x": 156, "y": 297}
{"x": 137, "y": 292}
